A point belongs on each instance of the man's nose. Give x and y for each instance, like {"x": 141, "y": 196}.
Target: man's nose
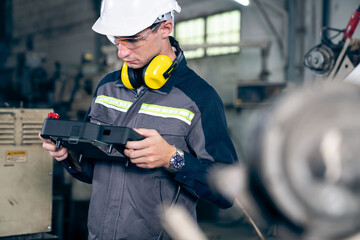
{"x": 123, "y": 51}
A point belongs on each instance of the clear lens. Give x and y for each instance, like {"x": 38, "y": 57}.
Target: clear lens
{"x": 130, "y": 43}
{"x": 135, "y": 42}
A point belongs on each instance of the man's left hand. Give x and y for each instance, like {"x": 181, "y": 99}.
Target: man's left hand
{"x": 151, "y": 152}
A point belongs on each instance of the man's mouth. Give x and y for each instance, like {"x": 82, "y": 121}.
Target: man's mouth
{"x": 129, "y": 60}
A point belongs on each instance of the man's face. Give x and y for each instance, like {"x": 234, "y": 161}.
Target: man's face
{"x": 139, "y": 49}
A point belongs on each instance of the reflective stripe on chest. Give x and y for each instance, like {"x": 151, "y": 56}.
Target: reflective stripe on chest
{"x": 148, "y": 109}
{"x": 167, "y": 112}
{"x": 114, "y": 103}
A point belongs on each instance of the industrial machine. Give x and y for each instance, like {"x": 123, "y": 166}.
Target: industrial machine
{"x": 334, "y": 61}
{"x": 25, "y": 174}
{"x": 253, "y": 94}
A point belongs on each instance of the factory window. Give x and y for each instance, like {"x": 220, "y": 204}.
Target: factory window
{"x": 223, "y": 28}
{"x": 191, "y": 32}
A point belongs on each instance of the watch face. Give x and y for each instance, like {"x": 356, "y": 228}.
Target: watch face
{"x": 177, "y": 161}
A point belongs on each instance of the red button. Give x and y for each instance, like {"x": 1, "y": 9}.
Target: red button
{"x": 53, "y": 115}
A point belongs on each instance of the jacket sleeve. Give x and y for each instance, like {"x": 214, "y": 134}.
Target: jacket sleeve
{"x": 210, "y": 147}
{"x": 85, "y": 175}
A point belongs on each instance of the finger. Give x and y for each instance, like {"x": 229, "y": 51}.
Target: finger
{"x": 144, "y": 162}
{"x": 61, "y": 158}
{"x": 147, "y": 132}
{"x": 59, "y": 154}
{"x": 144, "y": 165}
{"x": 43, "y": 139}
{"x": 138, "y": 144}
{"x": 141, "y": 160}
{"x": 49, "y": 146}
{"x": 127, "y": 152}
{"x": 132, "y": 154}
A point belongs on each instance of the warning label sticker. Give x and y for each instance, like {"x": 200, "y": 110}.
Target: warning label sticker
{"x": 16, "y": 156}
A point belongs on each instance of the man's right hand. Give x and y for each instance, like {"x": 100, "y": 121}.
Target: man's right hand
{"x": 59, "y": 154}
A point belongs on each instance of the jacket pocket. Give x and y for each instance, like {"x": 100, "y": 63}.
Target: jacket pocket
{"x": 168, "y": 126}
{"x": 167, "y": 191}
{"x": 174, "y": 131}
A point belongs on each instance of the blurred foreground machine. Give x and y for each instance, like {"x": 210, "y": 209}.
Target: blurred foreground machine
{"x": 299, "y": 177}
{"x": 25, "y": 175}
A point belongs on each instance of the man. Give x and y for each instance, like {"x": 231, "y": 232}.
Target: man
{"x": 179, "y": 114}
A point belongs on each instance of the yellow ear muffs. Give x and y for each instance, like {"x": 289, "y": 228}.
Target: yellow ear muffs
{"x": 154, "y": 73}
{"x": 125, "y": 76}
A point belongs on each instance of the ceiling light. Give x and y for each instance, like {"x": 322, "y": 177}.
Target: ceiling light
{"x": 243, "y": 2}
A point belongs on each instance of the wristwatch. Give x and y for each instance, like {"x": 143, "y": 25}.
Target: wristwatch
{"x": 177, "y": 161}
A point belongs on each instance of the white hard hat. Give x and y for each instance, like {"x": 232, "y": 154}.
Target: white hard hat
{"x": 128, "y": 17}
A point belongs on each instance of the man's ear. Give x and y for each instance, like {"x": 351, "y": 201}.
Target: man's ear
{"x": 166, "y": 28}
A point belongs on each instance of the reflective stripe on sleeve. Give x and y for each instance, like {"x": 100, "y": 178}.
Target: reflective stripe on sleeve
{"x": 114, "y": 103}
{"x": 167, "y": 112}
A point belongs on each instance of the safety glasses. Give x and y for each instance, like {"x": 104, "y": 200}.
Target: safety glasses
{"x": 135, "y": 41}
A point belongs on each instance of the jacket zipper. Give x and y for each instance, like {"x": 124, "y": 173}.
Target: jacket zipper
{"x": 129, "y": 113}
{"x": 138, "y": 96}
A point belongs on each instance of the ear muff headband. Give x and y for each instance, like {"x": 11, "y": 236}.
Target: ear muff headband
{"x": 154, "y": 73}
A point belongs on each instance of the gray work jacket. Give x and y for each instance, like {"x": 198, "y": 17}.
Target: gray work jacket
{"x": 126, "y": 201}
